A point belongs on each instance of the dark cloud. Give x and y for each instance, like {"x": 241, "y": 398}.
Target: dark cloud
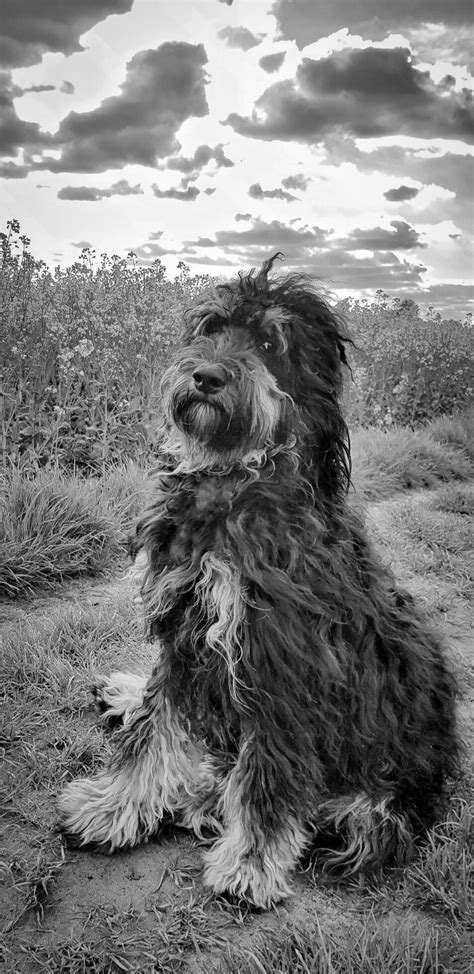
{"x": 67, "y": 88}
{"x": 453, "y": 301}
{"x": 257, "y": 193}
{"x": 14, "y": 132}
{"x": 151, "y": 250}
{"x": 267, "y": 235}
{"x": 400, "y": 193}
{"x": 162, "y": 88}
{"x": 366, "y": 93}
{"x": 82, "y": 245}
{"x": 373, "y": 19}
{"x": 240, "y": 37}
{"x": 272, "y": 62}
{"x": 242, "y": 216}
{"x": 187, "y": 195}
{"x": 202, "y": 156}
{"x": 228, "y": 2}
{"x": 450, "y": 171}
{"x": 314, "y": 250}
{"x": 29, "y": 32}
{"x": 210, "y": 190}
{"x": 402, "y": 237}
{"x": 298, "y": 181}
{"x": 34, "y": 88}
{"x": 12, "y": 170}
{"x": 92, "y": 194}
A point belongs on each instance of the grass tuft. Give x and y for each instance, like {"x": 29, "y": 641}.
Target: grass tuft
{"x": 386, "y": 462}
{"x": 389, "y": 944}
{"x": 442, "y": 877}
{"x": 54, "y": 527}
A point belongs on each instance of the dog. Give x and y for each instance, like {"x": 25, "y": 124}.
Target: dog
{"x": 299, "y": 697}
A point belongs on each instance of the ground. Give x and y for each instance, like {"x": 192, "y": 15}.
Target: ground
{"x": 146, "y": 910}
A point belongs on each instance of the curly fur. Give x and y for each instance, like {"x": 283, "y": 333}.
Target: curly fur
{"x": 298, "y": 693}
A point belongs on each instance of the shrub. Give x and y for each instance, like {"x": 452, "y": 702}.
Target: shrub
{"x": 406, "y": 370}
{"x": 84, "y": 350}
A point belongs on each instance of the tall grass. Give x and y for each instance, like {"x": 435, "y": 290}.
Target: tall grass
{"x": 57, "y": 526}
{"x": 387, "y": 461}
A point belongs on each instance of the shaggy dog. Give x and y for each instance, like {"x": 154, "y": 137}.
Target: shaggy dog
{"x": 297, "y": 694}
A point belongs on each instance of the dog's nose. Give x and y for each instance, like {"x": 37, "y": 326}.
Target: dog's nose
{"x": 210, "y": 378}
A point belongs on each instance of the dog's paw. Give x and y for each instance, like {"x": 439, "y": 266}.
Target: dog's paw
{"x": 117, "y": 696}
{"x": 256, "y": 878}
{"x": 107, "y": 812}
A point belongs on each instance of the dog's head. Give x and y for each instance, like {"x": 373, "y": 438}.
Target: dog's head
{"x": 261, "y": 366}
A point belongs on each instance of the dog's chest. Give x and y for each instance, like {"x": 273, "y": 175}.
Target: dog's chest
{"x": 199, "y": 524}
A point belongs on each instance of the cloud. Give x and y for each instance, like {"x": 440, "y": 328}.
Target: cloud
{"x": 402, "y": 237}
{"x": 240, "y": 37}
{"x": 82, "y": 245}
{"x": 451, "y": 300}
{"x": 67, "y": 88}
{"x": 162, "y": 88}
{"x": 210, "y": 190}
{"x": 298, "y": 181}
{"x": 314, "y": 251}
{"x": 451, "y": 171}
{"x": 14, "y": 132}
{"x": 400, "y": 193}
{"x": 275, "y": 235}
{"x": 185, "y": 195}
{"x": 242, "y": 216}
{"x": 28, "y": 33}
{"x": 202, "y": 156}
{"x": 373, "y": 19}
{"x": 150, "y": 251}
{"x": 92, "y": 195}
{"x": 272, "y": 62}
{"x": 257, "y": 193}
{"x": 366, "y": 93}
{"x": 34, "y": 88}
{"x": 12, "y": 170}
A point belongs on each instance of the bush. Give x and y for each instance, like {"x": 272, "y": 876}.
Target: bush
{"x": 84, "y": 350}
{"x": 406, "y": 370}
{"x": 54, "y": 527}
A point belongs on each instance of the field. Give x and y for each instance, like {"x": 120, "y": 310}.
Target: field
{"x": 68, "y": 613}
{"x": 84, "y": 348}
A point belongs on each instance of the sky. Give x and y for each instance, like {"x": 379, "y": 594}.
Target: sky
{"x": 217, "y": 132}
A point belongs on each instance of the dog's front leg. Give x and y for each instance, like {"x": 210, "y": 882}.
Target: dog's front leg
{"x": 156, "y": 771}
{"x": 260, "y": 844}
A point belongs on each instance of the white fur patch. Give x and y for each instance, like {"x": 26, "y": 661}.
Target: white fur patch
{"x": 122, "y": 806}
{"x": 120, "y": 694}
{"x": 219, "y": 592}
{"x": 244, "y": 861}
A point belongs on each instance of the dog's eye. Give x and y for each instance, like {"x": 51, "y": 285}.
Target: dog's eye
{"x": 266, "y": 346}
